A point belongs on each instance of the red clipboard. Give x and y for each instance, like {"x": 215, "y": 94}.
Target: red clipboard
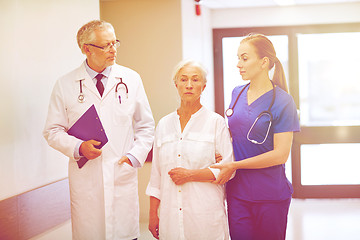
{"x": 88, "y": 127}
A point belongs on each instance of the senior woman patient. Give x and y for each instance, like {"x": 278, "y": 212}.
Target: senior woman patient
{"x": 184, "y": 203}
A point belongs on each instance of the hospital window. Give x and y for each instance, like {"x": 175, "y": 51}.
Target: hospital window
{"x": 322, "y": 68}
{"x": 329, "y": 77}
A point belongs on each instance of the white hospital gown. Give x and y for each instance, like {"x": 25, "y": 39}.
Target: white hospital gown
{"x": 194, "y": 210}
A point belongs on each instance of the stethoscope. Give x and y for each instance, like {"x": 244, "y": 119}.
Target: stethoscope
{"x": 81, "y": 97}
{"x": 116, "y": 89}
{"x": 230, "y": 111}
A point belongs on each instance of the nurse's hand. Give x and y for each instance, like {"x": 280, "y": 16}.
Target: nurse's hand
{"x": 88, "y": 149}
{"x": 180, "y": 175}
{"x": 226, "y": 172}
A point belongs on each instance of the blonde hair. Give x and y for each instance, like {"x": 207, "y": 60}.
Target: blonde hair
{"x": 265, "y": 48}
{"x": 186, "y": 63}
{"x": 86, "y": 33}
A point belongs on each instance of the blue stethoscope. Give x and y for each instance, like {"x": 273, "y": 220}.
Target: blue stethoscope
{"x": 81, "y": 97}
{"x": 230, "y": 111}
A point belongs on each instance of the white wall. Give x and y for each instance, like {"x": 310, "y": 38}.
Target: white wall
{"x": 197, "y": 44}
{"x": 150, "y": 36}
{"x": 284, "y": 16}
{"x": 37, "y": 45}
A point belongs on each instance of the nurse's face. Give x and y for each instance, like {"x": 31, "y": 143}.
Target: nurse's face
{"x": 99, "y": 59}
{"x": 249, "y": 63}
{"x": 190, "y": 84}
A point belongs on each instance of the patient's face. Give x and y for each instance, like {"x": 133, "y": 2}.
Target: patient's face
{"x": 190, "y": 84}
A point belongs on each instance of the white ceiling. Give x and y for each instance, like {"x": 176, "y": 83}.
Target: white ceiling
{"x": 265, "y": 3}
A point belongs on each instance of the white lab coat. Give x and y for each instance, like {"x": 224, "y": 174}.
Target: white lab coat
{"x": 104, "y": 195}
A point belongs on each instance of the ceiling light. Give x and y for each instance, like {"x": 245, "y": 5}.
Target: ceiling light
{"x": 285, "y": 2}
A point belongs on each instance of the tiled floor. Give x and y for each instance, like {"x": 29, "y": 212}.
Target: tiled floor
{"x": 335, "y": 219}
{"x": 324, "y": 219}
{"x": 63, "y": 232}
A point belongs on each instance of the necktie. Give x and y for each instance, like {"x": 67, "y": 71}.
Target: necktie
{"x": 99, "y": 84}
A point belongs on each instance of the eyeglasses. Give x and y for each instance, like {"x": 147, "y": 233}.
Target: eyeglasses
{"x": 115, "y": 44}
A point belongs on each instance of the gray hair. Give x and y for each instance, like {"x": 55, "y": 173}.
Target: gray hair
{"x": 186, "y": 63}
{"x": 86, "y": 33}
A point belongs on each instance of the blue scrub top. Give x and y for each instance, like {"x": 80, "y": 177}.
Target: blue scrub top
{"x": 267, "y": 184}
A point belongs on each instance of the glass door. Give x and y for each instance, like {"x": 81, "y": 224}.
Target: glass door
{"x": 327, "y": 157}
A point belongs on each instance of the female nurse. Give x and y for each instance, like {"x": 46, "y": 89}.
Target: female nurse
{"x": 259, "y": 195}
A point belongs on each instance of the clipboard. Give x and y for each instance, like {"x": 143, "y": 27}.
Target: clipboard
{"x": 88, "y": 127}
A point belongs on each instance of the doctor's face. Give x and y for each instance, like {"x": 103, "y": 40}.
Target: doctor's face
{"x": 97, "y": 58}
{"x": 190, "y": 84}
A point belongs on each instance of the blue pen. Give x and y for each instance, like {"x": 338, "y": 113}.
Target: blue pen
{"x": 119, "y": 99}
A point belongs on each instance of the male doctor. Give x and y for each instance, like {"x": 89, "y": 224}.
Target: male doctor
{"x": 104, "y": 192}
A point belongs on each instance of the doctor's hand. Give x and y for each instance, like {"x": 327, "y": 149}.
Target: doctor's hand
{"x": 125, "y": 159}
{"x": 88, "y": 150}
{"x": 226, "y": 172}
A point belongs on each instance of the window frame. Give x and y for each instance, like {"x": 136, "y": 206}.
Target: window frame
{"x": 308, "y": 134}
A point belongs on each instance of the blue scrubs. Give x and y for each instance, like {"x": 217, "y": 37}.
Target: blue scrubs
{"x": 265, "y": 193}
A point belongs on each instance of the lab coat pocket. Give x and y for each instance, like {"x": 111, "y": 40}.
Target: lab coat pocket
{"x": 124, "y": 174}
{"x": 122, "y": 114}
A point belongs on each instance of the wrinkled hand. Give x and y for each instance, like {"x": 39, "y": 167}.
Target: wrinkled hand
{"x": 124, "y": 159}
{"x": 180, "y": 175}
{"x": 218, "y": 157}
{"x": 226, "y": 171}
{"x": 154, "y": 226}
{"x": 88, "y": 150}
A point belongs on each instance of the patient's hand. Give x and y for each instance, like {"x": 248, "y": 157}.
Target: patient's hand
{"x": 218, "y": 157}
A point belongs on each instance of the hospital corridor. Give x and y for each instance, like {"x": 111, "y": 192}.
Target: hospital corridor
{"x": 316, "y": 116}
